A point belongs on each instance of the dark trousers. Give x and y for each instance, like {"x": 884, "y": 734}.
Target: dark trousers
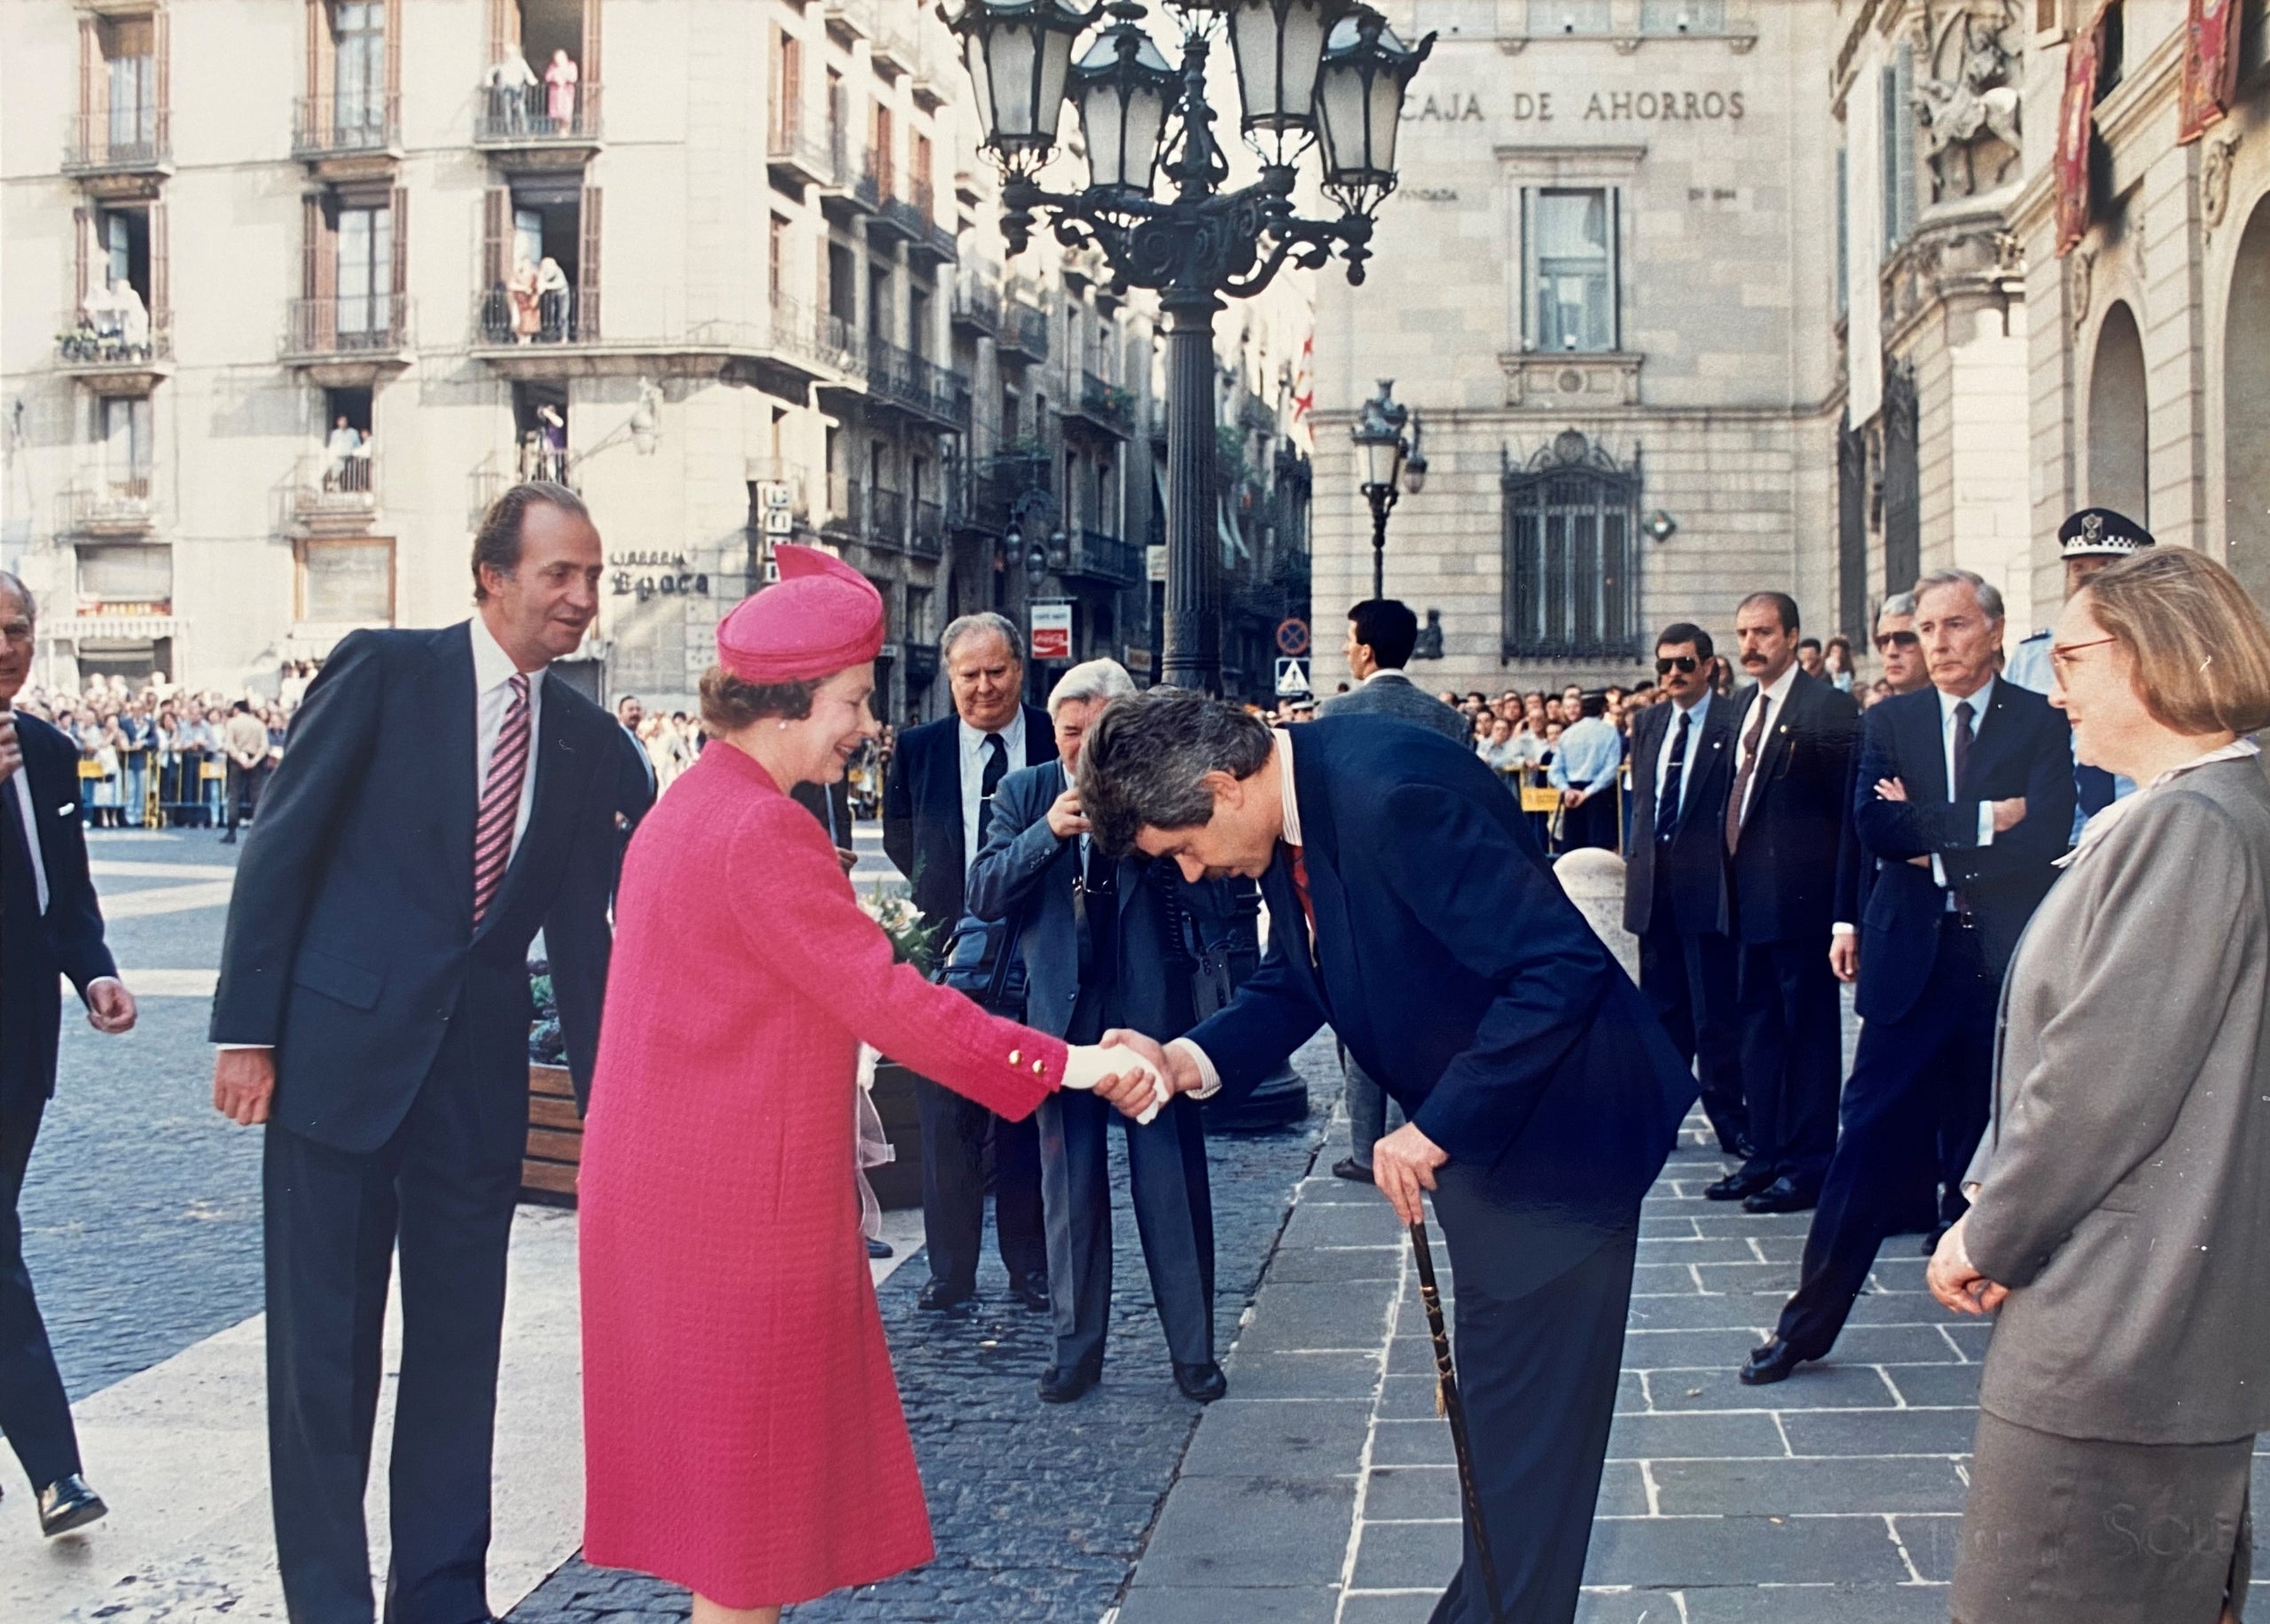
{"x": 955, "y": 1132}
{"x": 1536, "y": 1370}
{"x": 1912, "y": 1078}
{"x": 1174, "y": 1214}
{"x": 33, "y": 1410}
{"x": 1367, "y": 1111}
{"x": 244, "y": 792}
{"x": 442, "y": 1190}
{"x": 1792, "y": 1056}
{"x": 1594, "y": 826}
{"x": 1689, "y": 979}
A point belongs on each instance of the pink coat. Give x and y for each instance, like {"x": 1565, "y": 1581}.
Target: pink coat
{"x": 742, "y": 1429}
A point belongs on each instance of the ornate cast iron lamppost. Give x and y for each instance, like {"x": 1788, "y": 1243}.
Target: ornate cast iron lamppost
{"x": 1323, "y": 71}
{"x": 1390, "y": 465}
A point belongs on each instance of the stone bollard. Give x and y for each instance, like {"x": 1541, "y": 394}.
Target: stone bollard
{"x": 1593, "y": 881}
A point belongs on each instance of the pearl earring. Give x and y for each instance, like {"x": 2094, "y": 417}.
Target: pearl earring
{"x": 782, "y": 726}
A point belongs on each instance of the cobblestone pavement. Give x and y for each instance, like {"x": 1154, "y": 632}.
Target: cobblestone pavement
{"x": 141, "y": 1209}
{"x": 1039, "y": 1510}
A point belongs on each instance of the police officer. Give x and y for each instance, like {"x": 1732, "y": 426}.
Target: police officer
{"x": 2088, "y": 541}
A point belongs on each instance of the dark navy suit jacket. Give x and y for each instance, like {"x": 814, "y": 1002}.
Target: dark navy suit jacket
{"x": 350, "y": 944}
{"x": 922, "y": 809}
{"x": 1696, "y": 856}
{"x": 1784, "y": 871}
{"x": 2022, "y": 748}
{"x": 1026, "y": 870}
{"x": 1458, "y": 975}
{"x": 34, "y": 948}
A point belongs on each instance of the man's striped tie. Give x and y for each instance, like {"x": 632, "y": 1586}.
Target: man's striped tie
{"x": 500, "y": 800}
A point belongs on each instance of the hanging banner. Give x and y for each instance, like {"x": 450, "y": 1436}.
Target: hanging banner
{"x": 2076, "y": 129}
{"x": 2209, "y": 66}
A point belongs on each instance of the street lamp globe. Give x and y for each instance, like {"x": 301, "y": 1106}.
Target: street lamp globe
{"x": 1378, "y": 434}
{"x": 1359, "y": 104}
{"x": 1278, "y": 45}
{"x": 1414, "y": 463}
{"x": 1020, "y": 54}
{"x": 1121, "y": 90}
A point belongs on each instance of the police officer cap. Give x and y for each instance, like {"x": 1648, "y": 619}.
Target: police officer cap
{"x": 2101, "y": 533}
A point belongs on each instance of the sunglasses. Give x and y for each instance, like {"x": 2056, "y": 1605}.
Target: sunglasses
{"x": 1899, "y": 640}
{"x": 1669, "y": 663}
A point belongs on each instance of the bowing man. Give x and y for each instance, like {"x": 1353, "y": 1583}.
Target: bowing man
{"x": 1103, "y": 945}
{"x": 1413, "y": 911}
{"x": 441, "y": 802}
{"x": 1964, "y": 799}
{"x": 50, "y": 925}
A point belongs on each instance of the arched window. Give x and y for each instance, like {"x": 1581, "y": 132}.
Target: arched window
{"x": 2119, "y": 434}
{"x": 2246, "y": 409}
{"x": 1572, "y": 553}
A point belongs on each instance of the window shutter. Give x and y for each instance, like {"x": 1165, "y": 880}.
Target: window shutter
{"x": 1615, "y": 201}
{"x": 587, "y": 294}
{"x": 160, "y": 275}
{"x": 90, "y": 57}
{"x": 319, "y": 57}
{"x": 496, "y": 216}
{"x": 1905, "y": 78}
{"x": 311, "y": 247}
{"x": 400, "y": 274}
{"x": 82, "y": 237}
{"x": 589, "y": 67}
{"x": 161, "y": 48}
{"x": 393, "y": 59}
{"x": 504, "y": 30}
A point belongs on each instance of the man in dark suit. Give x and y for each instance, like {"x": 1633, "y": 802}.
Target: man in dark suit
{"x": 937, "y": 807}
{"x": 1784, "y": 818}
{"x": 1103, "y": 945}
{"x": 1381, "y": 632}
{"x": 49, "y": 926}
{"x": 1904, "y": 672}
{"x": 441, "y": 802}
{"x": 1965, "y": 800}
{"x": 1413, "y": 911}
{"x": 1675, "y": 880}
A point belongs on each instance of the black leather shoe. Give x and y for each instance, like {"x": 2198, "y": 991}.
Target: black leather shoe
{"x": 68, "y": 1503}
{"x": 939, "y": 1298}
{"x": 1205, "y": 1383}
{"x": 1735, "y": 1186}
{"x": 878, "y": 1249}
{"x": 1780, "y": 1196}
{"x": 1032, "y": 1291}
{"x": 1777, "y": 1360}
{"x": 1355, "y": 1171}
{"x": 1059, "y": 1385}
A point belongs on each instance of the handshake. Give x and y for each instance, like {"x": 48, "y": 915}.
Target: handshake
{"x": 1134, "y": 1072}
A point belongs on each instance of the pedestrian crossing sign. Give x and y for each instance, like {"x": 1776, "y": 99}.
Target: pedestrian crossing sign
{"x": 1291, "y": 677}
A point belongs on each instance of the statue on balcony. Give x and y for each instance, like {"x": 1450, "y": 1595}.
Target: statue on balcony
{"x": 1969, "y": 117}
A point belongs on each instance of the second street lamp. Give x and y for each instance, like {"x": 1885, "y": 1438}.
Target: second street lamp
{"x": 1301, "y": 63}
{"x": 1388, "y": 465}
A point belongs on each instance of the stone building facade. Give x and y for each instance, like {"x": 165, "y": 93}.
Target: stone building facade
{"x": 293, "y": 288}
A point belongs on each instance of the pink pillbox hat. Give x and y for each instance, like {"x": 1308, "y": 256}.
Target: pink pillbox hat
{"x": 821, "y": 617}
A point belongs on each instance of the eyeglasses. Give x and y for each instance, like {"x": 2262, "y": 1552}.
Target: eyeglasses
{"x": 2060, "y": 654}
{"x": 1899, "y": 640}
{"x": 1669, "y": 663}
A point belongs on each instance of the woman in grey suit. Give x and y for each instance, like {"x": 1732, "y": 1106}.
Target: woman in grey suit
{"x": 2120, "y": 1216}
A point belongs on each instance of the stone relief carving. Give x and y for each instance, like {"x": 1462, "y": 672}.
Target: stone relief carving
{"x": 2215, "y": 178}
{"x": 2081, "y": 270}
{"x": 1968, "y": 108}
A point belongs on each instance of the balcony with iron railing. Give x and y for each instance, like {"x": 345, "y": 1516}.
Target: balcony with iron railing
{"x": 537, "y": 116}
{"x": 928, "y": 539}
{"x": 1099, "y": 556}
{"x": 900, "y": 379}
{"x": 1024, "y": 333}
{"x": 931, "y": 242}
{"x": 850, "y": 19}
{"x": 886, "y": 516}
{"x": 1103, "y": 405}
{"x": 365, "y": 332}
{"x": 104, "y": 503}
{"x": 846, "y": 508}
{"x": 367, "y": 124}
{"x": 795, "y": 159}
{"x": 114, "y": 351}
{"x": 894, "y": 49}
{"x": 561, "y": 316}
{"x": 334, "y": 490}
{"x": 122, "y": 142}
{"x": 976, "y": 303}
{"x": 850, "y": 189}
{"x": 894, "y": 217}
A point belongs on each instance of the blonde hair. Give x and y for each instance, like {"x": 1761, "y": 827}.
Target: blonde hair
{"x": 2200, "y": 648}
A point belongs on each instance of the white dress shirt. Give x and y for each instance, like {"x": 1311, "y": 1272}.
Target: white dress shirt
{"x": 1978, "y": 702}
{"x": 493, "y": 671}
{"x": 1700, "y": 711}
{"x": 20, "y": 780}
{"x": 1011, "y": 735}
{"x": 1778, "y": 697}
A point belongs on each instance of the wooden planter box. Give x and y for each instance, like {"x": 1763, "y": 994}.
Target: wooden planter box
{"x": 555, "y": 1148}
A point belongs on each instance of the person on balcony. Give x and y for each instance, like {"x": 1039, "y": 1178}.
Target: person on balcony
{"x": 520, "y": 292}
{"x": 133, "y": 316}
{"x": 559, "y": 77}
{"x": 509, "y": 81}
{"x": 343, "y": 446}
{"x": 552, "y": 298}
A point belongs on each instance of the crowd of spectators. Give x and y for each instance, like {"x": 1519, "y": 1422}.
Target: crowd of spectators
{"x": 153, "y": 754}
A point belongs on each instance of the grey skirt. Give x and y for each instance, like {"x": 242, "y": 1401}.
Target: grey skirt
{"x": 2081, "y": 1531}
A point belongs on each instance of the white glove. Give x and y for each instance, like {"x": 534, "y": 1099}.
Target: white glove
{"x": 1085, "y": 1064}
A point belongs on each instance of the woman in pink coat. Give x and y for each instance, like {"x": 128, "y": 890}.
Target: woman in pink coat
{"x": 742, "y": 1430}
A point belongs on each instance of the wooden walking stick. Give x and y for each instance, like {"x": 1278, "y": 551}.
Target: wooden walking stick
{"x": 1448, "y": 1405}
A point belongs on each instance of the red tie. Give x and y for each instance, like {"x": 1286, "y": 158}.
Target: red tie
{"x": 1301, "y": 890}
{"x": 500, "y": 800}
